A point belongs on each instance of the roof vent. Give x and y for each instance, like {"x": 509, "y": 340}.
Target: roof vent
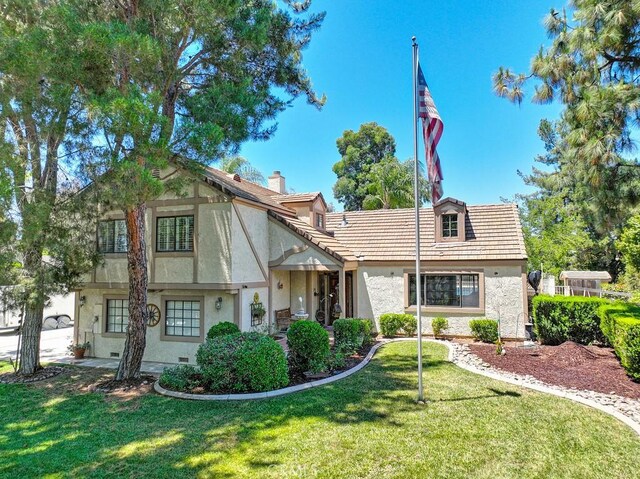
{"x": 344, "y": 223}
{"x": 237, "y": 178}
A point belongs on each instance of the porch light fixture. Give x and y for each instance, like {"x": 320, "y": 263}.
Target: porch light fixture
{"x": 219, "y": 303}
{"x": 83, "y": 300}
{"x": 280, "y": 285}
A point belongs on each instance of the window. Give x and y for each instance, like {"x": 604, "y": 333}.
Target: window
{"x": 447, "y": 290}
{"x": 117, "y": 315}
{"x": 112, "y": 236}
{"x": 182, "y": 318}
{"x": 174, "y": 233}
{"x": 450, "y": 226}
{"x": 319, "y": 221}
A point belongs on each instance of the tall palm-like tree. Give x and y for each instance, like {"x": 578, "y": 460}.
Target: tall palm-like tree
{"x": 392, "y": 185}
{"x": 241, "y": 166}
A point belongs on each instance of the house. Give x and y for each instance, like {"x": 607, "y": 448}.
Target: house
{"x": 229, "y": 245}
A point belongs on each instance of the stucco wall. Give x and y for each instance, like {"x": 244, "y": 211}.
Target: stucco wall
{"x": 245, "y": 265}
{"x": 281, "y": 297}
{"x": 381, "y": 290}
{"x": 90, "y": 329}
{"x": 214, "y": 243}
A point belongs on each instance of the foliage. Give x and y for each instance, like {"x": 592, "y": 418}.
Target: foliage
{"x": 351, "y": 334}
{"x": 245, "y": 362}
{"x": 439, "y": 325}
{"x": 72, "y": 348}
{"x": 620, "y": 323}
{"x": 558, "y": 319}
{"x": 392, "y": 323}
{"x": 238, "y": 165}
{"x": 485, "y": 330}
{"x": 592, "y": 66}
{"x": 221, "y": 329}
{"x": 184, "y": 377}
{"x": 337, "y": 360}
{"x": 391, "y": 185}
{"x": 308, "y": 344}
{"x": 409, "y": 324}
{"x": 45, "y": 243}
{"x": 360, "y": 151}
{"x": 372, "y": 410}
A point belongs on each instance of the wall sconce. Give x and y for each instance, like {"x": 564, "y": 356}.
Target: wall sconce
{"x": 280, "y": 285}
{"x": 315, "y": 293}
{"x": 83, "y": 301}
{"x": 219, "y": 303}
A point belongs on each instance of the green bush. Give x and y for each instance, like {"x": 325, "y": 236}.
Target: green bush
{"x": 558, "y": 319}
{"x": 367, "y": 330}
{"x": 181, "y": 378}
{"x": 245, "y": 362}
{"x": 438, "y": 325}
{"x": 409, "y": 324}
{"x": 485, "y": 330}
{"x": 349, "y": 334}
{"x": 308, "y": 347}
{"x": 620, "y": 323}
{"x": 222, "y": 329}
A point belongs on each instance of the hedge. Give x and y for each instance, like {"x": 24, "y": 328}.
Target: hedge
{"x": 620, "y": 323}
{"x": 222, "y": 329}
{"x": 485, "y": 330}
{"x": 558, "y": 319}
{"x": 239, "y": 363}
{"x": 392, "y": 323}
{"x": 308, "y": 344}
{"x": 351, "y": 334}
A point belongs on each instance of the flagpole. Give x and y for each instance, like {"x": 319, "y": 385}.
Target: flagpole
{"x": 416, "y": 188}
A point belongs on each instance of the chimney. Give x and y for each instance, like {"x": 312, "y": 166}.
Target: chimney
{"x": 276, "y": 182}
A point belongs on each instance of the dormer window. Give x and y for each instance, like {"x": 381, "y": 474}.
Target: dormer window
{"x": 319, "y": 221}
{"x": 450, "y": 226}
{"x": 450, "y": 220}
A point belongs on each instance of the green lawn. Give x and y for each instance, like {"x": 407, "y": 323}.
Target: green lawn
{"x": 365, "y": 426}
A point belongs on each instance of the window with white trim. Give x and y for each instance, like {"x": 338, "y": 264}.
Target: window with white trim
{"x": 182, "y": 318}
{"x": 174, "y": 233}
{"x": 446, "y": 290}
{"x": 112, "y": 236}
{"x": 117, "y": 315}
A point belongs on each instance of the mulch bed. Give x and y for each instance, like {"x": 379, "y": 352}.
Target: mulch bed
{"x": 570, "y": 365}
{"x": 39, "y": 375}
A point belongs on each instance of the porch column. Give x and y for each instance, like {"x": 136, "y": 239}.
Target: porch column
{"x": 341, "y": 292}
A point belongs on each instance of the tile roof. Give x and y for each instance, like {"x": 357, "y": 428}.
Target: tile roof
{"x": 296, "y": 197}
{"x": 246, "y": 190}
{"x": 493, "y": 233}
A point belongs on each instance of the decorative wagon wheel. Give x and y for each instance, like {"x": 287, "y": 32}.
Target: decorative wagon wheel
{"x": 153, "y": 315}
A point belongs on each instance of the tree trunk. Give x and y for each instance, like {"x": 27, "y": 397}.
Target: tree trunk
{"x": 137, "y": 265}
{"x": 30, "y": 341}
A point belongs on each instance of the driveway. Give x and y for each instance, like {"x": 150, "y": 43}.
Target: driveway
{"x": 53, "y": 344}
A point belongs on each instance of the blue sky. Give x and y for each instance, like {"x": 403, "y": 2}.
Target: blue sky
{"x": 361, "y": 59}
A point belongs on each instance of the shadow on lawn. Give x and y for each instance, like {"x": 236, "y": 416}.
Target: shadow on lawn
{"x": 91, "y": 435}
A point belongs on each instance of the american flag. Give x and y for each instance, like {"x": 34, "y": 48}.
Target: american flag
{"x": 432, "y": 127}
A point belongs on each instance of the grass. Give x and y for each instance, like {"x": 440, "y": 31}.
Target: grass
{"x": 365, "y": 426}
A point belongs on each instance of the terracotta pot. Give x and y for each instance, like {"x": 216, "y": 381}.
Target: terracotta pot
{"x": 78, "y": 353}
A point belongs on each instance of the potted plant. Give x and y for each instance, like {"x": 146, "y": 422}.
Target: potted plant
{"x": 79, "y": 349}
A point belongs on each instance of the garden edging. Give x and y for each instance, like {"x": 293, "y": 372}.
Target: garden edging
{"x": 450, "y": 357}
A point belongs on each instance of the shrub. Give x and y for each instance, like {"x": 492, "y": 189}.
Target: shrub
{"x": 485, "y": 330}
{"x": 244, "y": 362}
{"x": 367, "y": 330}
{"x": 181, "y": 378}
{"x": 567, "y": 318}
{"x": 409, "y": 324}
{"x": 308, "y": 346}
{"x": 438, "y": 325}
{"x": 389, "y": 325}
{"x": 222, "y": 329}
{"x": 620, "y": 323}
{"x": 348, "y": 334}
